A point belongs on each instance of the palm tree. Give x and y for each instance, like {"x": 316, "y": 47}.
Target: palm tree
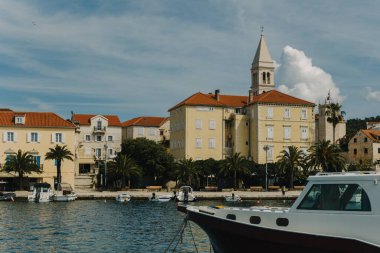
{"x": 289, "y": 161}
{"x": 23, "y": 164}
{"x": 125, "y": 167}
{"x": 59, "y": 153}
{"x": 235, "y": 164}
{"x": 334, "y": 115}
{"x": 326, "y": 156}
{"x": 186, "y": 171}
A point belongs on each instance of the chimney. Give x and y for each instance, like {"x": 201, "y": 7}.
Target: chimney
{"x": 217, "y": 92}
{"x": 250, "y": 96}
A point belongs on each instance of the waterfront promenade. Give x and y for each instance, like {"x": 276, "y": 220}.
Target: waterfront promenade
{"x": 201, "y": 195}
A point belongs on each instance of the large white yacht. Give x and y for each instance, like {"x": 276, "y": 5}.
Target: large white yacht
{"x": 336, "y": 212}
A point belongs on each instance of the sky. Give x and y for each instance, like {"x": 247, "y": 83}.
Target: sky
{"x": 141, "y": 57}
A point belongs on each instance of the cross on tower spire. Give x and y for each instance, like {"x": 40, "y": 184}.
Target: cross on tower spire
{"x": 262, "y": 30}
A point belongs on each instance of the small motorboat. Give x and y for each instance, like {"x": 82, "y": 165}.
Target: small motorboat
{"x": 7, "y": 196}
{"x": 232, "y": 198}
{"x": 41, "y": 193}
{"x": 66, "y": 194}
{"x": 335, "y": 213}
{"x": 161, "y": 198}
{"x": 186, "y": 194}
{"x": 123, "y": 197}
{"x": 4, "y": 194}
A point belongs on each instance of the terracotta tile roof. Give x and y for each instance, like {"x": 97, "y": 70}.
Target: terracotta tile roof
{"x": 85, "y": 119}
{"x": 34, "y": 119}
{"x": 276, "y": 97}
{"x": 373, "y": 135}
{"x": 145, "y": 121}
{"x": 210, "y": 100}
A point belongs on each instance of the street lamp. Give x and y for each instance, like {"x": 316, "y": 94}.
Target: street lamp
{"x": 266, "y": 148}
{"x": 105, "y": 165}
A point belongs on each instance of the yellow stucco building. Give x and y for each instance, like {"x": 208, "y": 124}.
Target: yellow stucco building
{"x": 36, "y": 132}
{"x": 215, "y": 125}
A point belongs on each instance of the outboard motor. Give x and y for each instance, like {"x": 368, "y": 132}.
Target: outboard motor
{"x": 185, "y": 195}
{"x": 38, "y": 195}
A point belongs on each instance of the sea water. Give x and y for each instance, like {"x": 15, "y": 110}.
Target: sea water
{"x": 101, "y": 226}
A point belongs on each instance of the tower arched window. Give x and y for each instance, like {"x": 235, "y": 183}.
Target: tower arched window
{"x": 268, "y": 77}
{"x": 264, "y": 79}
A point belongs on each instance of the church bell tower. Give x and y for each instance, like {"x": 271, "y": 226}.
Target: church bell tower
{"x": 262, "y": 71}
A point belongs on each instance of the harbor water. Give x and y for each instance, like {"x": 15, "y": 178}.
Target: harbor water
{"x": 101, "y": 226}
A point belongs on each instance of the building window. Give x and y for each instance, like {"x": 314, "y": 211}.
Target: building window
{"x": 99, "y": 125}
{"x": 10, "y": 136}
{"x": 161, "y": 132}
{"x": 287, "y": 113}
{"x": 140, "y": 131}
{"x": 19, "y": 120}
{"x": 264, "y": 79}
{"x": 198, "y": 124}
{"x": 87, "y": 137}
{"x": 211, "y": 143}
{"x": 269, "y": 153}
{"x": 378, "y": 150}
{"x": 212, "y": 124}
{"x": 109, "y": 138}
{"x": 110, "y": 151}
{"x": 34, "y": 137}
{"x": 58, "y": 137}
{"x": 270, "y": 133}
{"x": 365, "y": 139}
{"x": 269, "y": 113}
{"x": 365, "y": 150}
{"x": 98, "y": 153}
{"x": 98, "y": 138}
{"x": 354, "y": 140}
{"x": 268, "y": 77}
{"x": 303, "y": 114}
{"x": 238, "y": 110}
{"x": 355, "y": 151}
{"x": 152, "y": 131}
{"x": 304, "y": 133}
{"x": 198, "y": 142}
{"x": 287, "y": 132}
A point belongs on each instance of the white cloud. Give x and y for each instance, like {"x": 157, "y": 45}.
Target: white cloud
{"x": 298, "y": 77}
{"x": 372, "y": 95}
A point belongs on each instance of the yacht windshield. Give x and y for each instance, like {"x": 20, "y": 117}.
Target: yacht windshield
{"x": 336, "y": 197}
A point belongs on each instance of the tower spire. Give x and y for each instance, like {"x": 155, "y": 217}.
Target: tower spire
{"x": 262, "y": 71}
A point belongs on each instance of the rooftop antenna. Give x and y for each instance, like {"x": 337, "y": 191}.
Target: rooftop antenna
{"x": 262, "y": 31}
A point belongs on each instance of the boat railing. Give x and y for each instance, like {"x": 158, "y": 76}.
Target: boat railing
{"x": 348, "y": 173}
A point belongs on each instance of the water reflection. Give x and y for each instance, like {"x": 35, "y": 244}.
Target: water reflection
{"x": 98, "y": 226}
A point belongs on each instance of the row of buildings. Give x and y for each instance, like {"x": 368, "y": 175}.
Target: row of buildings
{"x": 205, "y": 125}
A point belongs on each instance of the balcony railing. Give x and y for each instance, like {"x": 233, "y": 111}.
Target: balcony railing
{"x": 99, "y": 129}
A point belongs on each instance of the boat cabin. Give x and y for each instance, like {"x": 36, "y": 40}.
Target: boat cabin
{"x": 341, "y": 192}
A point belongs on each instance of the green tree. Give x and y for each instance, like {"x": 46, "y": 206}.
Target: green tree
{"x": 334, "y": 116}
{"x": 59, "y": 154}
{"x": 236, "y": 165}
{"x": 124, "y": 167}
{"x": 186, "y": 172}
{"x": 290, "y": 161}
{"x": 155, "y": 162}
{"x": 208, "y": 169}
{"x": 326, "y": 156}
{"x": 21, "y": 163}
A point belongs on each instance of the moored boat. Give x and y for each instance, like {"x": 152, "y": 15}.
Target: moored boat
{"x": 161, "y": 198}
{"x": 232, "y": 198}
{"x": 185, "y": 194}
{"x": 123, "y": 197}
{"x": 336, "y": 212}
{"x": 41, "y": 193}
{"x": 66, "y": 194}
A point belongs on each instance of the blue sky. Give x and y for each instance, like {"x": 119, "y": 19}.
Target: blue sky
{"x": 134, "y": 58}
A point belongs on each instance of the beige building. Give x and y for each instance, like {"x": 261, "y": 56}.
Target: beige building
{"x": 98, "y": 139}
{"x": 36, "y": 132}
{"x": 365, "y": 146}
{"x": 215, "y": 126}
{"x": 324, "y": 129}
{"x": 151, "y": 128}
